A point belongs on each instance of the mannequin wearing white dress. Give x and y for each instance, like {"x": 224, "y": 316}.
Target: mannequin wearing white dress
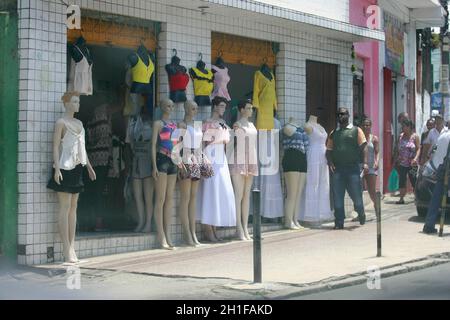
{"x": 317, "y": 207}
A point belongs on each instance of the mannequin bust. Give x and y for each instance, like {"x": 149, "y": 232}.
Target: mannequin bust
{"x": 244, "y": 168}
{"x": 311, "y": 122}
{"x": 164, "y": 172}
{"x": 190, "y": 178}
{"x": 203, "y": 84}
{"x": 294, "y": 165}
{"x": 178, "y": 80}
{"x": 79, "y": 50}
{"x": 68, "y": 165}
{"x": 139, "y": 138}
{"x": 145, "y": 88}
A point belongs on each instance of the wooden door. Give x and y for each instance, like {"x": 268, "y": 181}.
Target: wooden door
{"x": 321, "y": 92}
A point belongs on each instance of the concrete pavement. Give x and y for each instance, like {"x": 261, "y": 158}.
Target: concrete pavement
{"x": 294, "y": 262}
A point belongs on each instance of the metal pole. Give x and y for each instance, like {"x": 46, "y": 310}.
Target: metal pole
{"x": 378, "y": 213}
{"x": 257, "y": 270}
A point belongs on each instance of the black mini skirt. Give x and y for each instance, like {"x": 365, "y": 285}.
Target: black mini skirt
{"x": 72, "y": 181}
{"x": 294, "y": 161}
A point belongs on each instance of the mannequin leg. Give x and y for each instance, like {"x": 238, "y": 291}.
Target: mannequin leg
{"x": 185, "y": 191}
{"x": 246, "y": 205}
{"x": 292, "y": 180}
{"x": 149, "y": 188}
{"x": 168, "y": 206}
{"x": 64, "y": 200}
{"x": 73, "y": 225}
{"x": 239, "y": 185}
{"x": 209, "y": 233}
{"x": 139, "y": 200}
{"x": 193, "y": 211}
{"x": 161, "y": 186}
{"x": 302, "y": 184}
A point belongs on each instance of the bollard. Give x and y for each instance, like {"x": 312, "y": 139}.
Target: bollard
{"x": 257, "y": 270}
{"x": 378, "y": 214}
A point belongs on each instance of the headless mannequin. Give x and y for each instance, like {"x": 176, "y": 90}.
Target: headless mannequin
{"x": 164, "y": 184}
{"x": 201, "y": 100}
{"x": 242, "y": 184}
{"x": 265, "y": 70}
{"x": 189, "y": 187}
{"x": 145, "y": 55}
{"x": 143, "y": 190}
{"x": 308, "y": 127}
{"x": 219, "y": 63}
{"x": 172, "y": 68}
{"x": 67, "y": 215}
{"x": 295, "y": 184}
{"x": 76, "y": 55}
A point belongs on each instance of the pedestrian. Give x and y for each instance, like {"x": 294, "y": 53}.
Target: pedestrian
{"x": 373, "y": 148}
{"x": 406, "y": 157}
{"x": 436, "y": 161}
{"x": 434, "y": 134}
{"x": 344, "y": 147}
{"x": 423, "y": 156}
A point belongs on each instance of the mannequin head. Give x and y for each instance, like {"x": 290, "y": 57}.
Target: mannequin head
{"x": 71, "y": 101}
{"x": 219, "y": 105}
{"x": 245, "y": 108}
{"x": 191, "y": 108}
{"x": 175, "y": 60}
{"x": 166, "y": 106}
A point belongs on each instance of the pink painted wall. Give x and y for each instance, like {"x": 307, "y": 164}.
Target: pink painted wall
{"x": 369, "y": 53}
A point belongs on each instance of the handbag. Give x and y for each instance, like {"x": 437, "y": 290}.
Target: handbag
{"x": 206, "y": 168}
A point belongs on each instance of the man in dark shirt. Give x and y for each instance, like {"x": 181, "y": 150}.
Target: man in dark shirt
{"x": 344, "y": 147}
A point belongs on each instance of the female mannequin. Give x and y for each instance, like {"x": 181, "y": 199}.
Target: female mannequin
{"x": 216, "y": 205}
{"x": 221, "y": 79}
{"x": 295, "y": 145}
{"x": 178, "y": 80}
{"x": 203, "y": 83}
{"x": 190, "y": 174}
{"x": 69, "y": 158}
{"x": 317, "y": 207}
{"x": 245, "y": 167}
{"x": 139, "y": 136}
{"x": 164, "y": 172}
{"x": 264, "y": 97}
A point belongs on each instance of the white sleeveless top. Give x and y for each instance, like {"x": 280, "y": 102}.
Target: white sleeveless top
{"x": 193, "y": 137}
{"x": 73, "y": 150}
{"x": 80, "y": 78}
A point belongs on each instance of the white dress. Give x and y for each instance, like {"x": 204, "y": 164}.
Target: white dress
{"x": 215, "y": 201}
{"x": 317, "y": 192}
{"x": 271, "y": 200}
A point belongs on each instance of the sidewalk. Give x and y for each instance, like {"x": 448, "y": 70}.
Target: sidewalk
{"x": 293, "y": 262}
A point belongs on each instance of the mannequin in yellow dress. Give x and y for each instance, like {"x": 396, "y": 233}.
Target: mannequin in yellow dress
{"x": 264, "y": 97}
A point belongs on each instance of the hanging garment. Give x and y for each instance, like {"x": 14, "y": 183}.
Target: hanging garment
{"x": 141, "y": 73}
{"x": 317, "y": 208}
{"x": 99, "y": 138}
{"x": 80, "y": 75}
{"x": 203, "y": 82}
{"x": 215, "y": 202}
{"x": 271, "y": 200}
{"x": 265, "y": 100}
{"x": 178, "y": 81}
{"x": 221, "y": 80}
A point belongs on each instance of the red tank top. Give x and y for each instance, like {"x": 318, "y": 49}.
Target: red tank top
{"x": 178, "y": 81}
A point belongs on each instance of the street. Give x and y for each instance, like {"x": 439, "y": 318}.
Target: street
{"x": 294, "y": 264}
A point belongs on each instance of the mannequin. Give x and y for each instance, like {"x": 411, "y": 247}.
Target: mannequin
{"x": 139, "y": 137}
{"x": 190, "y": 174}
{"x": 244, "y": 168}
{"x": 80, "y": 75}
{"x": 264, "y": 97}
{"x": 203, "y": 83}
{"x": 317, "y": 207}
{"x": 216, "y": 206}
{"x": 221, "y": 80}
{"x": 178, "y": 80}
{"x": 295, "y": 145}
{"x": 68, "y": 165}
{"x": 141, "y": 72}
{"x": 164, "y": 172}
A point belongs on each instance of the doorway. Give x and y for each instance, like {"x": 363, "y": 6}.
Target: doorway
{"x": 321, "y": 92}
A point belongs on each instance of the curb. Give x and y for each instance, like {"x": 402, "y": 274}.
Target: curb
{"x": 360, "y": 278}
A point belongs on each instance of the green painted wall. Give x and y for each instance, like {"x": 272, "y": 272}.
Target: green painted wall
{"x": 9, "y": 91}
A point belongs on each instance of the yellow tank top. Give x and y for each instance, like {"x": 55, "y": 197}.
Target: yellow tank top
{"x": 205, "y": 85}
{"x": 142, "y": 73}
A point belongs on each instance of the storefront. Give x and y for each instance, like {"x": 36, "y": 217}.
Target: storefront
{"x": 113, "y": 32}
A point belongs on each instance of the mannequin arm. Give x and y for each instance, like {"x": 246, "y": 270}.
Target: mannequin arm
{"x": 91, "y": 171}
{"x": 156, "y": 129}
{"x": 57, "y": 136}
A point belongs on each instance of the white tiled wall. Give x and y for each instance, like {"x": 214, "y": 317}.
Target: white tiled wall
{"x": 42, "y": 82}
